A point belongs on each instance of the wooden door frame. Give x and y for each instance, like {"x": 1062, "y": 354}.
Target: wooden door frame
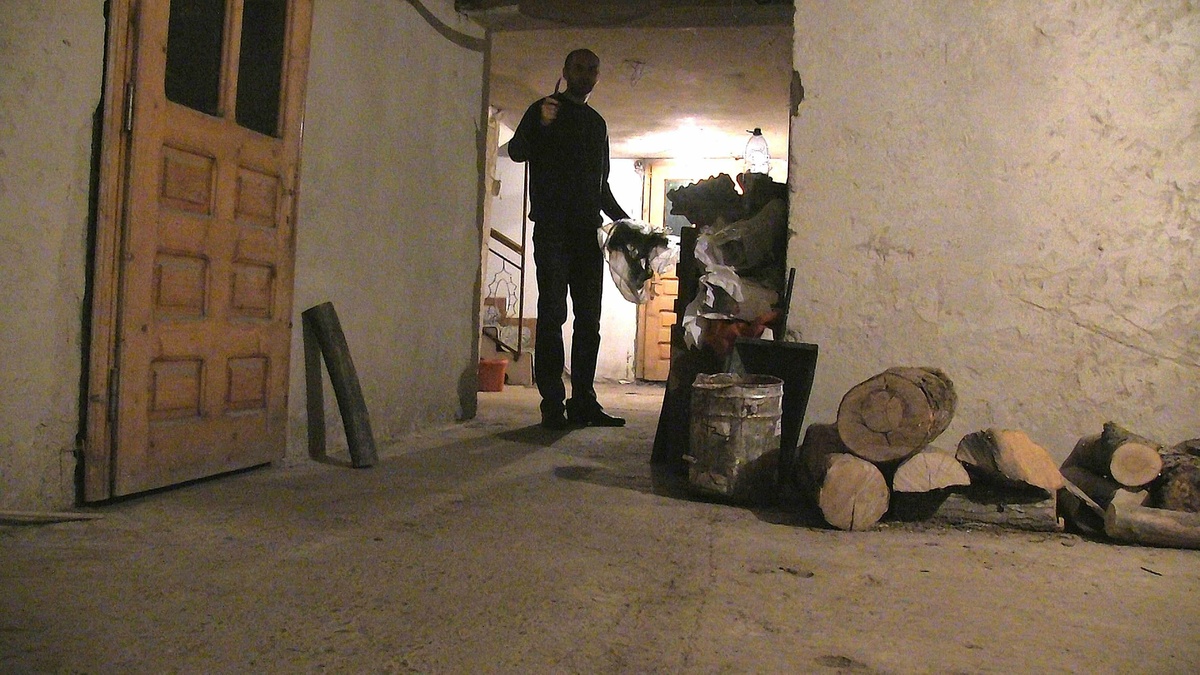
{"x": 639, "y": 352}
{"x": 114, "y": 149}
{"x": 97, "y": 477}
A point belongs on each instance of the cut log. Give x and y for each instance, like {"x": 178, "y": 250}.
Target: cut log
{"x": 1079, "y": 512}
{"x": 1178, "y": 485}
{"x": 851, "y": 493}
{"x": 1012, "y": 507}
{"x": 923, "y": 482}
{"x": 1129, "y": 459}
{"x": 1127, "y": 497}
{"x": 1085, "y": 496}
{"x": 1098, "y": 488}
{"x": 854, "y": 495}
{"x": 929, "y": 469}
{"x": 1006, "y": 455}
{"x": 1189, "y": 447}
{"x": 324, "y": 326}
{"x": 820, "y": 441}
{"x": 893, "y": 415}
{"x": 1152, "y": 527}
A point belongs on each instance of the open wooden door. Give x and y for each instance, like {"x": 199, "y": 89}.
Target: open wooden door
{"x": 656, "y": 317}
{"x": 195, "y": 243}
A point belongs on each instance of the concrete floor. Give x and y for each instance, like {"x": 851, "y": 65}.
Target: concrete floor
{"x": 495, "y": 547}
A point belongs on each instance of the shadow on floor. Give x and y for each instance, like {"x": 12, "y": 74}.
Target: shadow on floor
{"x": 533, "y": 434}
{"x": 786, "y": 507}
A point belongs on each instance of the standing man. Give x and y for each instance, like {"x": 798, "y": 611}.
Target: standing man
{"x": 565, "y": 142}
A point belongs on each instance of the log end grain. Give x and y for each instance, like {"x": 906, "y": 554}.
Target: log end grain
{"x": 1135, "y": 464}
{"x": 929, "y": 469}
{"x": 854, "y": 495}
{"x": 892, "y": 415}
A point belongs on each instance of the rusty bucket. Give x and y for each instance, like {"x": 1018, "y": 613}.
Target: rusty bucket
{"x": 734, "y": 435}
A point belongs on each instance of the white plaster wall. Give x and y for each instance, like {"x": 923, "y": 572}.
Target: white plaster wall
{"x": 1009, "y": 191}
{"x": 618, "y": 316}
{"x": 388, "y": 227}
{"x": 50, "y": 79}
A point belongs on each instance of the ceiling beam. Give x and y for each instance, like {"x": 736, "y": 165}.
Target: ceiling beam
{"x": 551, "y": 14}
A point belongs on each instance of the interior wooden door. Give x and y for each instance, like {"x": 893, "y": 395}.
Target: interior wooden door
{"x": 655, "y": 319}
{"x": 204, "y": 273}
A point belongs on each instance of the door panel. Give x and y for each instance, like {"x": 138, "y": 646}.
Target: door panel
{"x": 656, "y": 317}
{"x": 654, "y": 328}
{"x": 205, "y": 270}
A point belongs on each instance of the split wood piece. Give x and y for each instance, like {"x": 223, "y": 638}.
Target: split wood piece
{"x": 1151, "y": 527}
{"x": 1086, "y": 495}
{"x": 1025, "y": 508}
{"x": 1129, "y": 459}
{"x": 929, "y": 469}
{"x": 923, "y": 482}
{"x": 1178, "y": 485}
{"x": 893, "y": 415}
{"x": 851, "y": 493}
{"x": 1080, "y": 513}
{"x": 1010, "y": 455}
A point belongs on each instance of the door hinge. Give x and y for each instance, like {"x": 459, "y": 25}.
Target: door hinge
{"x": 129, "y": 107}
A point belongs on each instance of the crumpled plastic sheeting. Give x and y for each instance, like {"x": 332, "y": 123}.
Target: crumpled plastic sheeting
{"x": 636, "y": 251}
{"x": 744, "y": 244}
{"x": 723, "y": 295}
{"x": 731, "y": 253}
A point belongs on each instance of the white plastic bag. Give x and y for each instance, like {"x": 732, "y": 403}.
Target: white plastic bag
{"x": 636, "y": 251}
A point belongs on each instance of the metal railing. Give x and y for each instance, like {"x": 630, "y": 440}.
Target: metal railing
{"x": 511, "y": 257}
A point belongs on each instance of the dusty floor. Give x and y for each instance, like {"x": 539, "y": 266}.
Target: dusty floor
{"x": 496, "y": 547}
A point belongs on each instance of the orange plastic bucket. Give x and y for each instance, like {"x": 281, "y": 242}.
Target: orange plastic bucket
{"x": 491, "y": 374}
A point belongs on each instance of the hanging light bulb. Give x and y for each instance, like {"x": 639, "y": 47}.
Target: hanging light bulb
{"x": 757, "y": 158}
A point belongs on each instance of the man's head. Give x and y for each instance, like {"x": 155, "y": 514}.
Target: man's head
{"x": 581, "y": 70}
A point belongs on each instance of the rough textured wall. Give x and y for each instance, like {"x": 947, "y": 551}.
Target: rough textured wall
{"x": 1008, "y": 191}
{"x": 50, "y": 78}
{"x": 388, "y": 228}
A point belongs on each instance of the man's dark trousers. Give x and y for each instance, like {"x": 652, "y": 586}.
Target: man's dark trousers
{"x": 568, "y": 260}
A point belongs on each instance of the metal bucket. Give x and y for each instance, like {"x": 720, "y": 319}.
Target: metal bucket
{"x": 734, "y": 435}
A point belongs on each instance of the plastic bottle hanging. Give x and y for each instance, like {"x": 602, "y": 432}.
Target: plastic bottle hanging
{"x": 758, "y": 156}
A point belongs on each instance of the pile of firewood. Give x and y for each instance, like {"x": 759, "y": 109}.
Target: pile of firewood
{"x": 1134, "y": 489}
{"x": 878, "y": 461}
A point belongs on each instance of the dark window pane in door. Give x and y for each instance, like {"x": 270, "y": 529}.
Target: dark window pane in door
{"x": 260, "y": 68}
{"x": 194, "y": 35}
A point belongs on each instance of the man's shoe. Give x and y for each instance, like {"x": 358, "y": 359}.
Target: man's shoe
{"x": 597, "y": 418}
{"x": 555, "y": 421}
